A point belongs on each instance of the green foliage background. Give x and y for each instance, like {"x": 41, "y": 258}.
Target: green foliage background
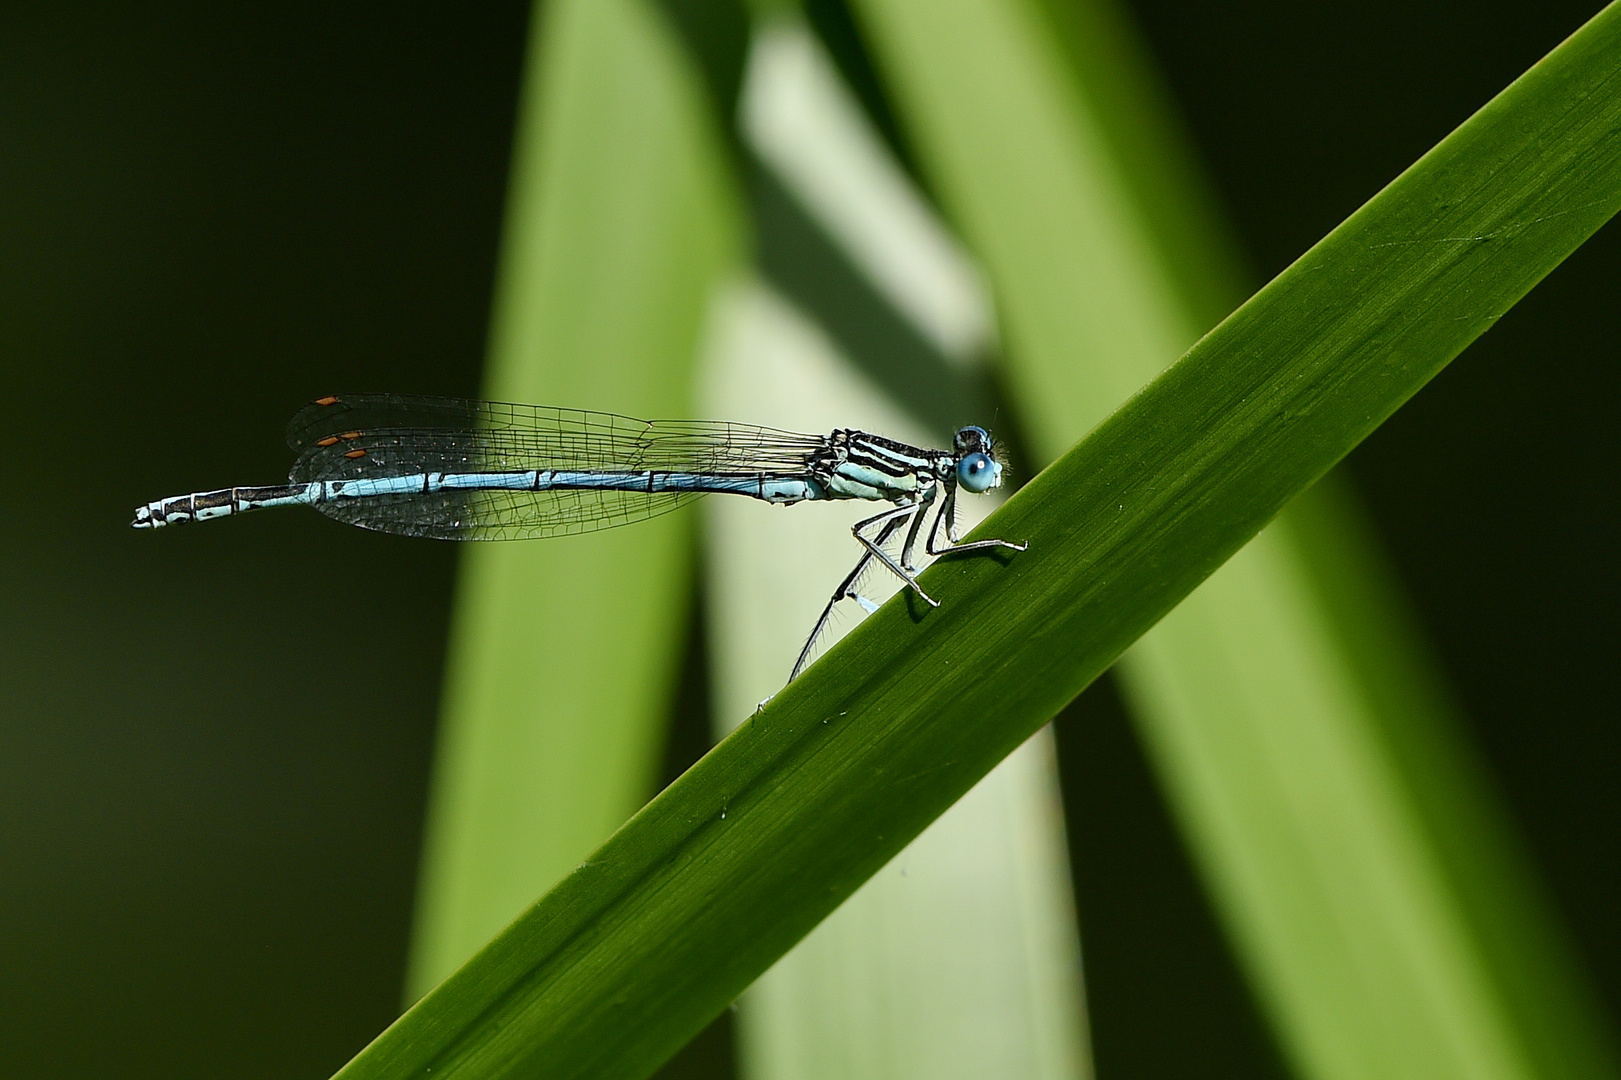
{"x": 295, "y": 671}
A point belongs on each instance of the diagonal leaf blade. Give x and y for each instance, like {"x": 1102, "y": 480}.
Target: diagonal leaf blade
{"x": 720, "y": 874}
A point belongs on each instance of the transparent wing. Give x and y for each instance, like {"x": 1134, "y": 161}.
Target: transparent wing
{"x": 379, "y": 435}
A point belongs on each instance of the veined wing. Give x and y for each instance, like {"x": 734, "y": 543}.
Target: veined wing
{"x": 441, "y": 434}
{"x": 382, "y": 435}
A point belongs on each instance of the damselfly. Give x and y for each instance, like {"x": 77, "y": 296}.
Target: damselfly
{"x": 479, "y": 470}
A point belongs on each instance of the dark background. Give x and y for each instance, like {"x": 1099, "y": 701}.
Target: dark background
{"x": 214, "y": 745}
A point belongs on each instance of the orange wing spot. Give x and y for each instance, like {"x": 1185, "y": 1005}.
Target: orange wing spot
{"x": 326, "y": 401}
{"x": 355, "y": 454}
{"x": 328, "y": 441}
{"x": 350, "y": 435}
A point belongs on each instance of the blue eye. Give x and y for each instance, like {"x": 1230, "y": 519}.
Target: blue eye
{"x": 978, "y": 473}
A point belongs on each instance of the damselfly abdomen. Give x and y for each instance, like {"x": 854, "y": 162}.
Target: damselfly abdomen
{"x": 480, "y": 470}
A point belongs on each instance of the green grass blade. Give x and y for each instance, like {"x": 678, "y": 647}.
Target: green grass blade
{"x": 659, "y": 929}
{"x": 1265, "y": 699}
{"x": 564, "y": 653}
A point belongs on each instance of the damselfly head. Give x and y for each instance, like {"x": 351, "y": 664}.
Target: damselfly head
{"x": 977, "y": 468}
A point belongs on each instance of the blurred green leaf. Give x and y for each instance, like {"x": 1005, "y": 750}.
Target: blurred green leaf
{"x": 961, "y": 958}
{"x": 658, "y": 930}
{"x": 563, "y": 655}
{"x": 1287, "y": 720}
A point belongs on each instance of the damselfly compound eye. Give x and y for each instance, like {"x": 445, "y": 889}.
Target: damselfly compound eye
{"x": 978, "y": 473}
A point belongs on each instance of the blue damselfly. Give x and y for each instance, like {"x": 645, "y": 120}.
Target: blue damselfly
{"x": 479, "y": 470}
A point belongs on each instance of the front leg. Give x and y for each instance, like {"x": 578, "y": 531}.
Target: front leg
{"x": 948, "y": 514}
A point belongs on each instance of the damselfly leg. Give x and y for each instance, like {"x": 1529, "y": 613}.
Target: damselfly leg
{"x": 889, "y": 523}
{"x": 948, "y": 513}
